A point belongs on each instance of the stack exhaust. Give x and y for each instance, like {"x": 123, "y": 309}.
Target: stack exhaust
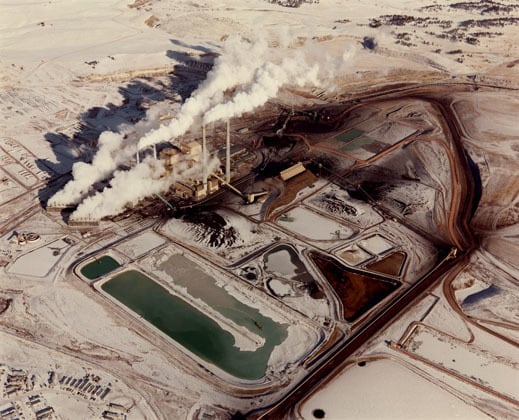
{"x": 204, "y": 157}
{"x": 228, "y": 154}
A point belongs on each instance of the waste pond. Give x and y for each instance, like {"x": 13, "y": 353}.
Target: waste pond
{"x": 357, "y": 292}
{"x": 311, "y": 225}
{"x": 474, "y": 298}
{"x": 349, "y": 135}
{"x": 391, "y": 265}
{"x": 283, "y": 259}
{"x": 192, "y": 328}
{"x": 99, "y": 267}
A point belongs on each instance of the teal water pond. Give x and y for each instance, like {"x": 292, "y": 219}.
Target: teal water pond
{"x": 196, "y": 331}
{"x": 99, "y": 267}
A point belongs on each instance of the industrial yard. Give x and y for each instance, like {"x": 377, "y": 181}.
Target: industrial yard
{"x": 220, "y": 225}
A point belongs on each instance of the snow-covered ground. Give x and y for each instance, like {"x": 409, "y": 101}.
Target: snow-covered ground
{"x": 376, "y": 244}
{"x": 48, "y": 376}
{"x": 311, "y": 225}
{"x": 474, "y": 364}
{"x": 39, "y": 262}
{"x": 384, "y": 389}
{"x": 140, "y": 244}
{"x": 70, "y": 69}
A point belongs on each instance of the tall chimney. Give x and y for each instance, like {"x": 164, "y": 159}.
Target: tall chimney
{"x": 228, "y": 154}
{"x": 137, "y": 156}
{"x": 204, "y": 157}
{"x": 155, "y": 151}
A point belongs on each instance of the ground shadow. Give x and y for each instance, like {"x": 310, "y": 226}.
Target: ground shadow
{"x": 192, "y": 64}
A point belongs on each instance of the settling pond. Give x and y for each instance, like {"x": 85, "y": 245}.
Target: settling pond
{"x": 357, "y": 292}
{"x": 283, "y": 259}
{"x": 190, "y": 327}
{"x": 99, "y": 267}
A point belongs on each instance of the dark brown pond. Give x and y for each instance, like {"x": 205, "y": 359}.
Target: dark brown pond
{"x": 357, "y": 292}
{"x": 391, "y": 265}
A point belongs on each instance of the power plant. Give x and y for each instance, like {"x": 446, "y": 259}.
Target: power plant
{"x": 197, "y": 179}
{"x": 203, "y": 184}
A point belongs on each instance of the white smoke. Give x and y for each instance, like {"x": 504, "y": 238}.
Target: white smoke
{"x": 85, "y": 174}
{"x": 247, "y": 73}
{"x": 114, "y": 149}
{"x": 259, "y": 70}
{"x": 268, "y": 79}
{"x": 236, "y": 65}
{"x": 127, "y": 188}
{"x": 308, "y": 66}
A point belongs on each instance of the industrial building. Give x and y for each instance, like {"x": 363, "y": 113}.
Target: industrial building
{"x": 202, "y": 183}
{"x": 190, "y": 153}
{"x": 194, "y": 153}
{"x": 291, "y": 172}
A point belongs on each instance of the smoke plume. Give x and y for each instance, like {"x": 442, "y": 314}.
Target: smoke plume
{"x": 267, "y": 81}
{"x": 235, "y": 66}
{"x": 113, "y": 150}
{"x": 245, "y": 76}
{"x": 127, "y": 188}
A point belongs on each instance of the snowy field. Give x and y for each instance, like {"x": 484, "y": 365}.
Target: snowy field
{"x": 72, "y": 69}
{"x": 49, "y": 375}
{"x": 482, "y": 294}
{"x": 141, "y": 244}
{"x": 311, "y": 225}
{"x": 39, "y": 262}
{"x": 376, "y": 244}
{"x": 384, "y": 389}
{"x": 474, "y": 364}
{"x": 493, "y": 128}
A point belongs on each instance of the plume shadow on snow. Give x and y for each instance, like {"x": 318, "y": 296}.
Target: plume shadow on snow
{"x": 191, "y": 68}
{"x": 82, "y": 144}
{"x": 183, "y": 44}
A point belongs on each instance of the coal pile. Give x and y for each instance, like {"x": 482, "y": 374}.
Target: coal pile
{"x": 211, "y": 228}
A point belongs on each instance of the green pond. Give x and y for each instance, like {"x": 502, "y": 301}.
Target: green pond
{"x": 99, "y": 267}
{"x": 196, "y": 331}
{"x": 349, "y": 135}
{"x": 357, "y": 143}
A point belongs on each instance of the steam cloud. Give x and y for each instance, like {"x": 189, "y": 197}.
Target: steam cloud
{"x": 235, "y": 66}
{"x": 114, "y": 149}
{"x": 129, "y": 187}
{"x": 254, "y": 70}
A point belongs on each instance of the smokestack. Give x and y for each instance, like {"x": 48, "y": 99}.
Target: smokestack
{"x": 228, "y": 154}
{"x": 137, "y": 155}
{"x": 204, "y": 157}
{"x": 155, "y": 151}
